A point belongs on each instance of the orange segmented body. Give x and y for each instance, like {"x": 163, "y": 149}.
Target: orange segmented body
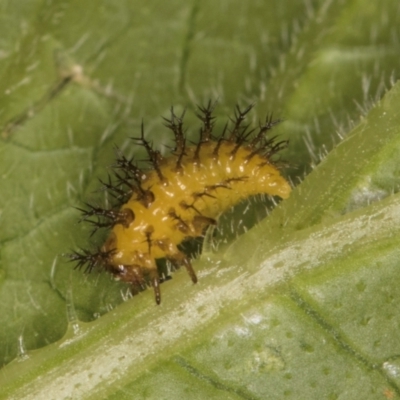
{"x": 181, "y": 195}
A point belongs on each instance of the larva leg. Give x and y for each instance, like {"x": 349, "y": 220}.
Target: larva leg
{"x": 180, "y": 259}
{"x": 188, "y": 265}
{"x": 176, "y": 257}
{"x": 138, "y": 277}
{"x": 155, "y": 281}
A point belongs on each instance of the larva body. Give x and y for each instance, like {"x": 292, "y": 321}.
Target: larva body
{"x": 181, "y": 196}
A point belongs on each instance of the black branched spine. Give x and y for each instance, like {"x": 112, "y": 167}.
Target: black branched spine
{"x": 106, "y": 218}
{"x": 89, "y": 260}
{"x": 155, "y": 157}
{"x": 175, "y": 124}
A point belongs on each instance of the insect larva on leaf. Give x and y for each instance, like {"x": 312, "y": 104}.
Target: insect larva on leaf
{"x": 180, "y": 195}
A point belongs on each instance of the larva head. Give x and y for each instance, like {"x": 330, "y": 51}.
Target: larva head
{"x": 182, "y": 194}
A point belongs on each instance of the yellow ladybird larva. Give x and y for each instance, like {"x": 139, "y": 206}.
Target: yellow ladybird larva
{"x": 180, "y": 195}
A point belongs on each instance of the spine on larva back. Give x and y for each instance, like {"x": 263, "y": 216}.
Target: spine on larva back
{"x": 181, "y": 195}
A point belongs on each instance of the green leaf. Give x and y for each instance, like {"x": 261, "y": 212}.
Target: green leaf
{"x": 304, "y": 305}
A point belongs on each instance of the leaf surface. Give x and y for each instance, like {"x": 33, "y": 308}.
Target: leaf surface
{"x": 304, "y": 304}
